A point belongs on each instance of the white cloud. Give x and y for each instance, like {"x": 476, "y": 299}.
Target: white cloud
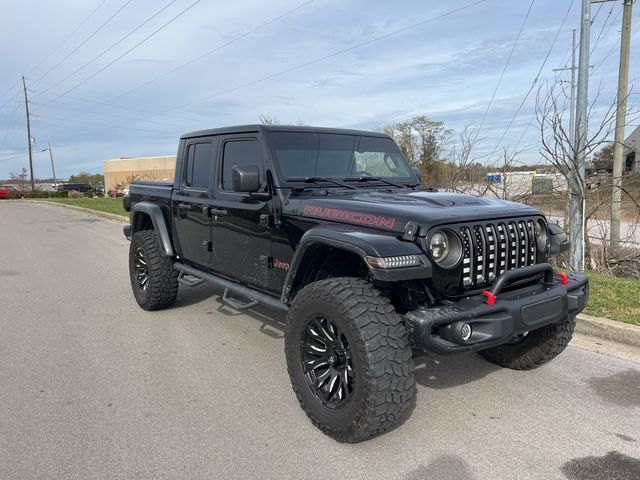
{"x": 446, "y": 69}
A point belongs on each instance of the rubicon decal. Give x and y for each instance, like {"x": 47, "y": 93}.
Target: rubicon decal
{"x": 347, "y": 216}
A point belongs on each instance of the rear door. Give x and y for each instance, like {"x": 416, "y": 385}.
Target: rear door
{"x": 193, "y": 199}
{"x": 241, "y": 233}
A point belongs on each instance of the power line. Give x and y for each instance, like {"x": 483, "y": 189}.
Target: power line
{"x": 104, "y": 114}
{"x": 101, "y": 54}
{"x": 8, "y": 91}
{"x": 216, "y": 49}
{"x": 606, "y": 20}
{"x": 506, "y": 65}
{"x": 69, "y": 36}
{"x": 97, "y": 124}
{"x": 8, "y": 100}
{"x": 12, "y": 156}
{"x": 320, "y": 59}
{"x": 111, "y": 105}
{"x": 533, "y": 84}
{"x": 127, "y": 51}
{"x": 122, "y": 7}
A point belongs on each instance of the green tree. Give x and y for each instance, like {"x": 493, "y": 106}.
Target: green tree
{"x": 423, "y": 142}
{"x": 603, "y": 158}
{"x": 86, "y": 177}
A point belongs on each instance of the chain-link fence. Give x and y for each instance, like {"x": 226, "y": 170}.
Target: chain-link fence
{"x": 552, "y": 197}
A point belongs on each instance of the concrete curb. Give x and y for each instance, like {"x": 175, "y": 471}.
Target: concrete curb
{"x": 109, "y": 216}
{"x": 608, "y": 329}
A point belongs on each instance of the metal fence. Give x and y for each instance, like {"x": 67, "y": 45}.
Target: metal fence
{"x": 554, "y": 203}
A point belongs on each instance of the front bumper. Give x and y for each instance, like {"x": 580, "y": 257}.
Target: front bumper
{"x": 441, "y": 329}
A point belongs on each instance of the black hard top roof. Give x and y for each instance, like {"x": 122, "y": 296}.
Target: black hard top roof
{"x": 266, "y": 129}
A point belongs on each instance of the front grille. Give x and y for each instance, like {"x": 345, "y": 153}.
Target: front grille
{"x": 490, "y": 249}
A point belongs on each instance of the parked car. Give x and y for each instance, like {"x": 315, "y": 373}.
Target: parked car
{"x": 99, "y": 189}
{"x": 78, "y": 187}
{"x": 10, "y": 191}
{"x": 333, "y": 228}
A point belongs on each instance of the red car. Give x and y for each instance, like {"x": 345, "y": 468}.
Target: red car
{"x": 9, "y": 191}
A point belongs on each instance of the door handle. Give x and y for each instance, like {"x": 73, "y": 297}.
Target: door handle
{"x": 218, "y": 211}
{"x": 184, "y": 207}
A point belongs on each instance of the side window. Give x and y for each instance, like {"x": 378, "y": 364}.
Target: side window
{"x": 198, "y": 171}
{"x": 238, "y": 153}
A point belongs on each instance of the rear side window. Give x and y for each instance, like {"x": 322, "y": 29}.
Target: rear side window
{"x": 198, "y": 174}
{"x": 239, "y": 153}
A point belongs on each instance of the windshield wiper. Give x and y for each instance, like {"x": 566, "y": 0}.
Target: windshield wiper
{"x": 318, "y": 180}
{"x": 367, "y": 178}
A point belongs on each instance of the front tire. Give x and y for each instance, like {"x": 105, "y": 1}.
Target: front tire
{"x": 153, "y": 279}
{"x": 349, "y": 359}
{"x": 535, "y": 349}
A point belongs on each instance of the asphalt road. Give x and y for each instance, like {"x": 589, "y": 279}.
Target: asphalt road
{"x": 93, "y": 387}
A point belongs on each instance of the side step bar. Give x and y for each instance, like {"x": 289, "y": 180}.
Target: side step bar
{"x": 254, "y": 296}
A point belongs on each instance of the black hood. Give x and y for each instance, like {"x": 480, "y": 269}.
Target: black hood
{"x": 391, "y": 211}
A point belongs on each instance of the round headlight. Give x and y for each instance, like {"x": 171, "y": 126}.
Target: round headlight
{"x": 541, "y": 234}
{"x": 445, "y": 248}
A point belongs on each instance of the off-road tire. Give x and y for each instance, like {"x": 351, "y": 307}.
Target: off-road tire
{"x": 162, "y": 284}
{"x": 537, "y": 348}
{"x": 383, "y": 394}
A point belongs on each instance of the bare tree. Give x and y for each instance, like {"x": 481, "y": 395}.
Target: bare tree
{"x": 557, "y": 149}
{"x": 461, "y": 173}
{"x": 268, "y": 119}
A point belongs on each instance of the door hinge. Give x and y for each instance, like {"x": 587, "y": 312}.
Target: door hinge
{"x": 264, "y": 220}
{"x": 207, "y": 246}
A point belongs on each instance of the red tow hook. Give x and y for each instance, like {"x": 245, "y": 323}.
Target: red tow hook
{"x": 564, "y": 280}
{"x": 491, "y": 299}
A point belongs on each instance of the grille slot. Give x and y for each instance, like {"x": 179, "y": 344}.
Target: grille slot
{"x": 490, "y": 249}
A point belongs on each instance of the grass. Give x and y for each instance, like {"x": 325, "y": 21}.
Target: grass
{"x": 610, "y": 297}
{"x": 101, "y": 204}
{"x": 614, "y": 298}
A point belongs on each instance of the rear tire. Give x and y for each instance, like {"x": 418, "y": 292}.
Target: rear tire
{"x": 537, "y": 348}
{"x": 153, "y": 279}
{"x": 349, "y": 359}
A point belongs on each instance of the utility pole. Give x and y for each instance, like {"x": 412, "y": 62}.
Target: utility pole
{"x": 621, "y": 115}
{"x": 572, "y": 101}
{"x": 576, "y": 227}
{"x": 26, "y": 106}
{"x": 53, "y": 168}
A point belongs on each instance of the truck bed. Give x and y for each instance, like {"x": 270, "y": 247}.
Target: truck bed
{"x": 158, "y": 192}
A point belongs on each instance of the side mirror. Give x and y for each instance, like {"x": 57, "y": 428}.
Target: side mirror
{"x": 558, "y": 242}
{"x": 418, "y": 173}
{"x": 245, "y": 178}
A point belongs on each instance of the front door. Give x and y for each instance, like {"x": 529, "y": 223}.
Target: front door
{"x": 241, "y": 234}
{"x": 192, "y": 201}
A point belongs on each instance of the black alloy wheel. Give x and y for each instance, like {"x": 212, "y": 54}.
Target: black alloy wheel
{"x": 327, "y": 362}
{"x": 142, "y": 270}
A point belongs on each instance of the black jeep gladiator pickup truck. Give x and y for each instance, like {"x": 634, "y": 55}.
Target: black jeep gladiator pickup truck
{"x": 333, "y": 228}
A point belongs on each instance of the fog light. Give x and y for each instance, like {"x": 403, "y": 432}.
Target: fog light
{"x": 465, "y": 331}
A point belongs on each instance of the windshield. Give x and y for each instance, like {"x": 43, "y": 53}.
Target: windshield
{"x": 328, "y": 155}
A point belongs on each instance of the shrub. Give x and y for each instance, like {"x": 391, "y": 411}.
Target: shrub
{"x": 36, "y": 194}
{"x": 74, "y": 194}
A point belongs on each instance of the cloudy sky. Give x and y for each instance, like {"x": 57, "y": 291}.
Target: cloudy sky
{"x": 112, "y": 78}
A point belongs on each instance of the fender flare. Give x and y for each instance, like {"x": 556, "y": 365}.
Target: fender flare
{"x": 363, "y": 244}
{"x": 159, "y": 224}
